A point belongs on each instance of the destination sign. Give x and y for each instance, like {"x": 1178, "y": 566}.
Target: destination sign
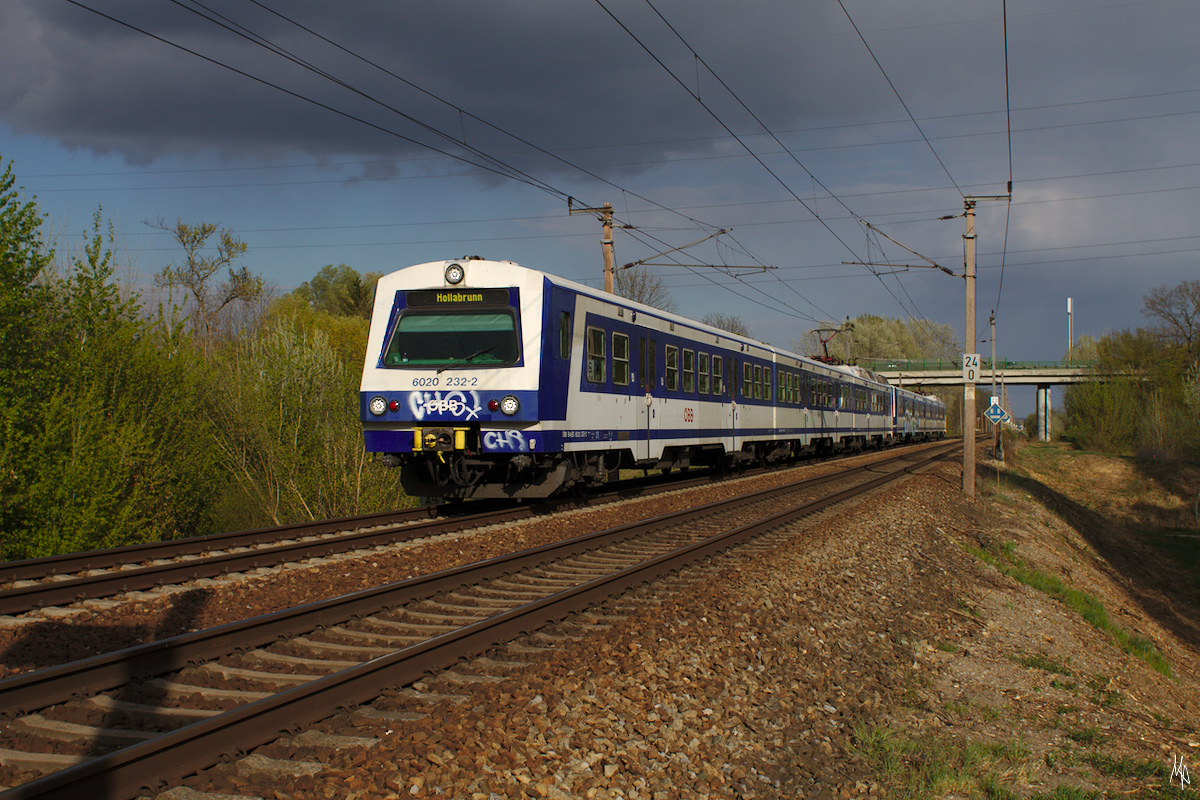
{"x": 426, "y": 298}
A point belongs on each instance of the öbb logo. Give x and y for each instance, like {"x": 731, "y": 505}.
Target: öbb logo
{"x": 460, "y": 405}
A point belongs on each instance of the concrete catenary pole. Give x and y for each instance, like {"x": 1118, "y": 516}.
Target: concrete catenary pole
{"x": 607, "y": 242}
{"x": 968, "y": 411}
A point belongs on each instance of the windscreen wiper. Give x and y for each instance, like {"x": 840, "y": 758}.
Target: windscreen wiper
{"x": 468, "y": 359}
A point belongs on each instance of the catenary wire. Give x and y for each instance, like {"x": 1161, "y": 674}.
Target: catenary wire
{"x": 898, "y": 97}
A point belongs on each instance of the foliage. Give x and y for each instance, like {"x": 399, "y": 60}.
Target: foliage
{"x": 196, "y": 274}
{"x": 23, "y": 331}
{"x": 112, "y": 454}
{"x": 874, "y": 337}
{"x": 287, "y": 428}
{"x": 119, "y": 426}
{"x": 347, "y": 335}
{"x": 340, "y": 291}
{"x": 1146, "y": 402}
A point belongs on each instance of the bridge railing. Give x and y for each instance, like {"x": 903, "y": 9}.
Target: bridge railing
{"x": 955, "y": 364}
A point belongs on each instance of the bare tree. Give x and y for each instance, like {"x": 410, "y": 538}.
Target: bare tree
{"x": 198, "y": 269}
{"x": 1178, "y": 310}
{"x": 727, "y": 322}
{"x": 643, "y": 286}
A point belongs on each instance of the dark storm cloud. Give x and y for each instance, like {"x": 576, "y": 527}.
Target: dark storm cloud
{"x": 557, "y": 74}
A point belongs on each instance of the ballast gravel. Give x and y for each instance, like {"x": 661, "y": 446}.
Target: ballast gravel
{"x": 746, "y": 679}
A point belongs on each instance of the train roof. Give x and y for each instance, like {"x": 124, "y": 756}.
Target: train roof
{"x": 599, "y": 294}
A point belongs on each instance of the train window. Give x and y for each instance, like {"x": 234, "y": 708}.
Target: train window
{"x": 450, "y": 338}
{"x": 718, "y": 380}
{"x": 766, "y": 391}
{"x": 620, "y": 354}
{"x": 747, "y": 380}
{"x": 672, "y": 369}
{"x": 689, "y": 371}
{"x": 651, "y": 371}
{"x": 595, "y": 355}
{"x": 564, "y": 335}
{"x": 702, "y": 373}
{"x": 785, "y": 387}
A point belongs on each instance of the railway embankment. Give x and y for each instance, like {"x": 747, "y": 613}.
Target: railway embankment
{"x": 1042, "y": 639}
{"x": 918, "y": 644}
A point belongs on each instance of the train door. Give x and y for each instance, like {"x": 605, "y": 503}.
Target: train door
{"x": 735, "y": 410}
{"x": 728, "y": 406}
{"x": 891, "y": 395}
{"x": 648, "y": 381}
{"x": 826, "y": 415}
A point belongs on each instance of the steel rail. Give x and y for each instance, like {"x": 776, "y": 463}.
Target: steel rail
{"x": 34, "y": 690}
{"x": 61, "y": 592}
{"x": 125, "y": 773}
{"x": 68, "y": 563}
{"x": 39, "y": 568}
{"x": 22, "y": 599}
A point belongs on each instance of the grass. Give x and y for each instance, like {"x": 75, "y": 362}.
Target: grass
{"x": 1044, "y": 662}
{"x": 921, "y": 767}
{"x": 1102, "y": 695}
{"x": 1161, "y": 785}
{"x": 928, "y": 766}
{"x": 967, "y": 608}
{"x": 1089, "y": 736}
{"x": 1183, "y": 548}
{"x": 1065, "y": 792}
{"x": 1126, "y": 766}
{"x": 1005, "y": 559}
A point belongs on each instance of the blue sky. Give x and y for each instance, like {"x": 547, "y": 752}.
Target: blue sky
{"x": 655, "y": 108}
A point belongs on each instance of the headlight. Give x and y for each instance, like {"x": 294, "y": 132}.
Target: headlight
{"x": 510, "y": 405}
{"x": 378, "y": 405}
{"x": 455, "y": 274}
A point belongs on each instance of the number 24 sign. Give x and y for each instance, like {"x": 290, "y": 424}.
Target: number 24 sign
{"x": 970, "y": 367}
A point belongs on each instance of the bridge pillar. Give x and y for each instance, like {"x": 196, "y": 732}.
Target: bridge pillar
{"x": 1044, "y": 409}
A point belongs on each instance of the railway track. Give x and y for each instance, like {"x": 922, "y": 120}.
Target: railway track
{"x": 63, "y": 580}
{"x": 109, "y": 725}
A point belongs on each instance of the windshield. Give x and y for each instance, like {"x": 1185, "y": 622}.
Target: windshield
{"x": 454, "y": 340}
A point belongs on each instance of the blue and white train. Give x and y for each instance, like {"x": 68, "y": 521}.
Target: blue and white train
{"x": 487, "y": 379}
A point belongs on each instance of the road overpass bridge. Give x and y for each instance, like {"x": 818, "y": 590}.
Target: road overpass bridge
{"x": 916, "y": 373}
